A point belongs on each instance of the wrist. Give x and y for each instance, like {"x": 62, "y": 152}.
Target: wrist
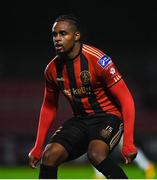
{"x": 36, "y": 152}
{"x": 128, "y": 149}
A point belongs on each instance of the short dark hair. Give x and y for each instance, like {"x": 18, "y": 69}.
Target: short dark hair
{"x": 71, "y": 18}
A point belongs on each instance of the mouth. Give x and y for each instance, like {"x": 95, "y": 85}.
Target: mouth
{"x": 59, "y": 47}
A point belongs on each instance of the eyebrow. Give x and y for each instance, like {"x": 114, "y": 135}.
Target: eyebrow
{"x": 60, "y": 32}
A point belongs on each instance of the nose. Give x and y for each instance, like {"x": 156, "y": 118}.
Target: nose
{"x": 57, "y": 38}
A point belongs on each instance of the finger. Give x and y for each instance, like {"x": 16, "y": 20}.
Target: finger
{"x": 33, "y": 164}
{"x": 126, "y": 160}
{"x": 131, "y": 157}
{"x": 129, "y": 160}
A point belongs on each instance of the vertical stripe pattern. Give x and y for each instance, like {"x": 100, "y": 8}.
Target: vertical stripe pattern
{"x": 59, "y": 68}
{"x": 117, "y": 137}
{"x": 72, "y": 80}
{"x": 92, "y": 99}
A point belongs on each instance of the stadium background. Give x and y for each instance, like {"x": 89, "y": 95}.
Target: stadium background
{"x": 126, "y": 32}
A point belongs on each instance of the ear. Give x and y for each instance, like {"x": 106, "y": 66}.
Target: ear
{"x": 77, "y": 36}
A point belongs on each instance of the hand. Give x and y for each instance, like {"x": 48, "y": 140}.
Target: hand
{"x": 130, "y": 157}
{"x": 129, "y": 153}
{"x": 33, "y": 161}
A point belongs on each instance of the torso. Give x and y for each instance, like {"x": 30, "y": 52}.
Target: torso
{"x": 80, "y": 80}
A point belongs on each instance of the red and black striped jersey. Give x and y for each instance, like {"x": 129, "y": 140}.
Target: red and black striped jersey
{"x": 85, "y": 81}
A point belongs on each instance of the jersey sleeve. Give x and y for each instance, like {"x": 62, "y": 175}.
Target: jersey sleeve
{"x": 50, "y": 84}
{"x": 107, "y": 71}
{"x": 110, "y": 75}
{"x": 119, "y": 91}
{"x": 47, "y": 114}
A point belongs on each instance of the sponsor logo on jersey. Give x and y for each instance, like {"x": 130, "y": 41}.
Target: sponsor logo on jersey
{"x": 67, "y": 92}
{"x": 78, "y": 92}
{"x": 104, "y": 61}
{"x": 81, "y": 91}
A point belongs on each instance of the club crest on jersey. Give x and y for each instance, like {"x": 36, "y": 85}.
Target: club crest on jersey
{"x": 106, "y": 133}
{"x": 85, "y": 77}
{"x": 104, "y": 61}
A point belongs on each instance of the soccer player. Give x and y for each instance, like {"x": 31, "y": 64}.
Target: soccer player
{"x": 101, "y": 102}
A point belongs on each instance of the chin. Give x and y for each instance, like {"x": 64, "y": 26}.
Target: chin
{"x": 60, "y": 53}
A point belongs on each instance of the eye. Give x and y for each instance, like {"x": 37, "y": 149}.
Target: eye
{"x": 54, "y": 34}
{"x": 63, "y": 33}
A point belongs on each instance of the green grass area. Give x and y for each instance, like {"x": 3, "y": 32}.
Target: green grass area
{"x": 65, "y": 172}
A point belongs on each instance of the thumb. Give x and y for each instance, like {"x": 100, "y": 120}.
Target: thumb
{"x": 126, "y": 160}
{"x": 34, "y": 163}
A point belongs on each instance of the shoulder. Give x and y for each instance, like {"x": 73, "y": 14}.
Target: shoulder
{"x": 50, "y": 67}
{"x": 51, "y": 64}
{"x": 92, "y": 51}
{"x": 96, "y": 56}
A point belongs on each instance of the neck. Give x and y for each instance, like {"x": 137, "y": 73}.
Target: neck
{"x": 74, "y": 52}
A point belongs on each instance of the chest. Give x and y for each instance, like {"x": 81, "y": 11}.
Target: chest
{"x": 76, "y": 79}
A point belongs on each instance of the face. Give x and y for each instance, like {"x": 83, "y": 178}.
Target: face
{"x": 65, "y": 37}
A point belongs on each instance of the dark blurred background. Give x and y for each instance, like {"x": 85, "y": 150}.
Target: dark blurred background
{"x": 126, "y": 32}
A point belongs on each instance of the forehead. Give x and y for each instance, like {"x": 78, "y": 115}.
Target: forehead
{"x": 62, "y": 26}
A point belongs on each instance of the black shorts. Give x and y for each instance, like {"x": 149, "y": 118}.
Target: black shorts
{"x": 77, "y": 132}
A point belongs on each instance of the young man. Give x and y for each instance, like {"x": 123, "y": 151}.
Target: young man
{"x": 100, "y": 100}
